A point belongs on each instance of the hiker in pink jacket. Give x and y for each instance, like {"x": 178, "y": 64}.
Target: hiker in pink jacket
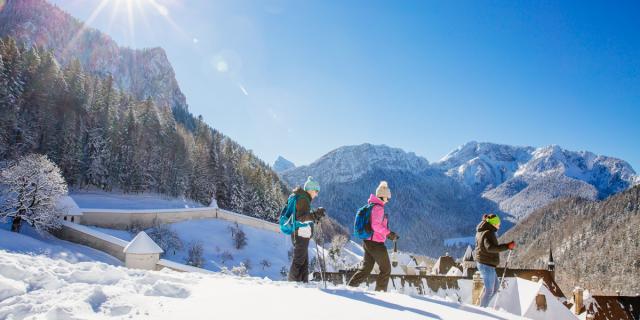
{"x": 374, "y": 249}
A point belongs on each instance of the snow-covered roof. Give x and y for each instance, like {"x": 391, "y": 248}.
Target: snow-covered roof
{"x": 454, "y": 272}
{"x": 67, "y": 205}
{"x": 518, "y": 296}
{"x": 443, "y": 264}
{"x": 142, "y": 244}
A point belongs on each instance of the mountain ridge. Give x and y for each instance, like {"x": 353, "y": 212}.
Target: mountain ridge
{"x": 142, "y": 72}
{"x": 526, "y": 179}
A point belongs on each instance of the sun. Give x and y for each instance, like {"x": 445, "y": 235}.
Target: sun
{"x": 136, "y": 11}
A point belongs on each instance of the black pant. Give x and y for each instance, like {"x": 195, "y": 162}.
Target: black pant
{"x": 374, "y": 252}
{"x": 299, "y": 271}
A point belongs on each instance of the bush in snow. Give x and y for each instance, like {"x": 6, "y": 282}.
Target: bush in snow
{"x": 33, "y": 185}
{"x": 165, "y": 237}
{"x": 226, "y": 256}
{"x": 265, "y": 264}
{"x": 194, "y": 254}
{"x": 135, "y": 227}
{"x": 240, "y": 270}
{"x": 284, "y": 272}
{"x": 337, "y": 244}
{"x": 238, "y": 237}
{"x": 247, "y": 263}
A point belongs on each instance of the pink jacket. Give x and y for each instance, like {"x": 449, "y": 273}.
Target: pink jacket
{"x": 378, "y": 220}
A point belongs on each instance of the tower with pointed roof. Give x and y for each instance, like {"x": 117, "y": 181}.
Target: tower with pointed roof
{"x": 551, "y": 265}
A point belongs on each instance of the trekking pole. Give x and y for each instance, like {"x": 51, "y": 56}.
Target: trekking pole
{"x": 394, "y": 261}
{"x": 321, "y": 261}
{"x": 318, "y": 262}
{"x": 324, "y": 260}
{"x": 504, "y": 273}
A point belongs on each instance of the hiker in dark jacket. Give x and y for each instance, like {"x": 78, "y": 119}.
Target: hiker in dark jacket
{"x": 374, "y": 249}
{"x": 299, "y": 271}
{"x": 487, "y": 255}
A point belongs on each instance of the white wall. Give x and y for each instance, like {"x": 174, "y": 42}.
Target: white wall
{"x": 122, "y": 219}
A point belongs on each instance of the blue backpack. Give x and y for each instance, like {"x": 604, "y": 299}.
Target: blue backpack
{"x": 362, "y": 224}
{"x": 288, "y": 222}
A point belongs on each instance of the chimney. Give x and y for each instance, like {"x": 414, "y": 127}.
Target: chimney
{"x": 578, "y": 294}
{"x": 618, "y": 293}
{"x": 541, "y": 302}
{"x": 478, "y": 286}
{"x": 535, "y": 279}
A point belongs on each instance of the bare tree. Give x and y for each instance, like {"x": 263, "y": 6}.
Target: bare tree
{"x": 195, "y": 254}
{"x": 226, "y": 256}
{"x": 238, "y": 237}
{"x": 247, "y": 263}
{"x": 135, "y": 226}
{"x": 284, "y": 272}
{"x": 165, "y": 237}
{"x": 33, "y": 185}
{"x": 265, "y": 264}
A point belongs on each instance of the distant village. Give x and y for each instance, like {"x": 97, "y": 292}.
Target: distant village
{"x": 537, "y": 292}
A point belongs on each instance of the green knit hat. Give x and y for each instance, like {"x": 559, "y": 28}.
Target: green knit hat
{"x": 311, "y": 185}
{"x": 493, "y": 219}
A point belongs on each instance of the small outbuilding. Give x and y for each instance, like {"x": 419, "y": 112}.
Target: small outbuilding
{"x": 69, "y": 208}
{"x": 142, "y": 253}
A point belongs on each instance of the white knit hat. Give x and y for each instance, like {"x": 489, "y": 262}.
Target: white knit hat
{"x": 383, "y": 190}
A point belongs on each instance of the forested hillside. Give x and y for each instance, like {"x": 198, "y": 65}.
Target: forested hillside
{"x": 595, "y": 244}
{"x": 100, "y": 136}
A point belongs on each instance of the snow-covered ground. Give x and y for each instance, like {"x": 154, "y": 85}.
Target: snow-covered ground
{"x": 28, "y": 241}
{"x": 114, "y": 200}
{"x": 43, "y": 288}
{"x": 215, "y": 237}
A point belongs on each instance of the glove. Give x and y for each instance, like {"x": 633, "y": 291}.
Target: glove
{"x": 318, "y": 214}
{"x": 392, "y": 236}
{"x": 511, "y": 245}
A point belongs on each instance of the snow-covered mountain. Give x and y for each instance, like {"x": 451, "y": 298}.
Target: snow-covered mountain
{"x": 522, "y": 179}
{"x": 424, "y": 198}
{"x": 282, "y": 164}
{"x": 467, "y": 182}
{"x": 144, "y": 73}
{"x": 350, "y": 163}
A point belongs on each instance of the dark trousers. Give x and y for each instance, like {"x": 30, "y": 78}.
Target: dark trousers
{"x": 374, "y": 252}
{"x": 299, "y": 271}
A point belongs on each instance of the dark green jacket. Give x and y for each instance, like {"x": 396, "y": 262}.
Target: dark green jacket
{"x": 487, "y": 247}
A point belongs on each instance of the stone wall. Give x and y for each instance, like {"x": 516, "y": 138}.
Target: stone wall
{"x": 122, "y": 219}
{"x": 91, "y": 238}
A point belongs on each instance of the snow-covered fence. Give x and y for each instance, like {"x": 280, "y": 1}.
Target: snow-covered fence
{"x": 123, "y": 219}
{"x": 91, "y": 238}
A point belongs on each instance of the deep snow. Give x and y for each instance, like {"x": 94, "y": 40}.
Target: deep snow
{"x": 43, "y": 288}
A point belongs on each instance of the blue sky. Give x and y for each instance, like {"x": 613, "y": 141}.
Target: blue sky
{"x": 300, "y": 78}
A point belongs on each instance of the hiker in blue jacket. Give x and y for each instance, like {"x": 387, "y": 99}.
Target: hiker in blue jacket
{"x": 299, "y": 271}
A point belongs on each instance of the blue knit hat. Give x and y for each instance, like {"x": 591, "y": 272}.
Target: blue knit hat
{"x": 311, "y": 185}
